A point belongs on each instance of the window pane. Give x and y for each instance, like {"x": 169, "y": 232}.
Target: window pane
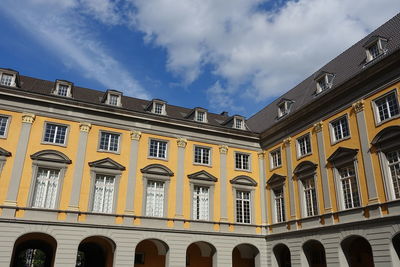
{"x": 6, "y": 79}
{"x": 242, "y": 161}
{"x": 202, "y": 155}
{"x": 109, "y": 141}
{"x": 63, "y": 90}
{"x": 155, "y": 199}
{"x": 46, "y": 185}
{"x": 103, "y": 198}
{"x": 387, "y": 106}
{"x": 350, "y": 193}
{"x": 158, "y": 149}
{"x": 200, "y": 203}
{"x": 394, "y": 167}
{"x": 3, "y": 125}
{"x": 243, "y": 207}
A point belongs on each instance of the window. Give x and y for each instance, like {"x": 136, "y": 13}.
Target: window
{"x": 276, "y": 159}
{"x": 3, "y": 126}
{"x": 201, "y": 203}
{"x": 109, "y": 141}
{"x": 242, "y": 161}
{"x": 46, "y": 188}
{"x": 303, "y": 145}
{"x": 7, "y": 79}
{"x": 155, "y": 199}
{"x": 348, "y": 180}
{"x": 387, "y": 107}
{"x": 243, "y": 206}
{"x": 103, "y": 193}
{"x": 279, "y": 205}
{"x": 158, "y": 108}
{"x": 113, "y": 100}
{"x": 63, "y": 90}
{"x": 324, "y": 82}
{"x": 284, "y": 107}
{"x": 393, "y": 159}
{"x": 55, "y": 133}
{"x": 202, "y": 155}
{"x": 200, "y": 116}
{"x": 310, "y": 196}
{"x": 158, "y": 149}
{"x": 238, "y": 123}
{"x": 375, "y": 47}
{"x": 340, "y": 129}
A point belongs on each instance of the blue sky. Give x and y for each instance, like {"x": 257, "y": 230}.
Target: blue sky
{"x": 235, "y": 55}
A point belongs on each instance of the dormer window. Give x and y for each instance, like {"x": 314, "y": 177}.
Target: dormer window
{"x": 284, "y": 107}
{"x": 375, "y": 47}
{"x": 9, "y": 77}
{"x": 157, "y": 106}
{"x": 113, "y": 98}
{"x": 238, "y": 122}
{"x": 63, "y": 88}
{"x": 324, "y": 82}
{"x": 200, "y": 116}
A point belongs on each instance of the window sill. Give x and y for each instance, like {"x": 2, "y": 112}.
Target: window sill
{"x": 275, "y": 168}
{"x": 243, "y": 170}
{"x": 163, "y": 159}
{"x": 108, "y": 151}
{"x": 377, "y": 124}
{"x": 341, "y": 140}
{"x": 53, "y": 144}
{"x": 202, "y": 165}
{"x": 304, "y": 156}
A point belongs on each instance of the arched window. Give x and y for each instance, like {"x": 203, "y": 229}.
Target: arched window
{"x": 245, "y": 255}
{"x": 95, "y": 251}
{"x": 243, "y": 189}
{"x": 305, "y": 172}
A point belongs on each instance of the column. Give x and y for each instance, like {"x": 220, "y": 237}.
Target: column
{"x": 84, "y": 129}
{"x": 318, "y": 127}
{"x": 223, "y": 151}
{"x": 16, "y": 173}
{"x": 261, "y": 164}
{"x": 181, "y": 142}
{"x": 130, "y": 192}
{"x": 358, "y": 108}
{"x": 286, "y": 144}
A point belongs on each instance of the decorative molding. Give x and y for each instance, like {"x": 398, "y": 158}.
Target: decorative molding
{"x": 203, "y": 176}
{"x": 135, "y": 135}
{"x": 243, "y": 180}
{"x": 28, "y": 117}
{"x": 223, "y": 149}
{"x": 359, "y": 106}
{"x": 261, "y": 155}
{"x": 318, "y": 127}
{"x": 85, "y": 127}
{"x": 157, "y": 169}
{"x": 52, "y": 156}
{"x": 107, "y": 163}
{"x": 286, "y": 141}
{"x": 181, "y": 142}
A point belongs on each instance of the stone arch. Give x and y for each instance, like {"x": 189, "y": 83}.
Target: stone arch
{"x": 396, "y": 249}
{"x": 200, "y": 254}
{"x": 282, "y": 255}
{"x": 151, "y": 252}
{"x": 34, "y": 247}
{"x": 245, "y": 255}
{"x": 96, "y": 251}
{"x": 315, "y": 253}
{"x": 357, "y": 251}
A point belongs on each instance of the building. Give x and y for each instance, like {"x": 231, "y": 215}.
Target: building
{"x": 91, "y": 178}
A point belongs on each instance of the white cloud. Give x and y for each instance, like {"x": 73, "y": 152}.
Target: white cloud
{"x": 59, "y": 26}
{"x": 260, "y": 52}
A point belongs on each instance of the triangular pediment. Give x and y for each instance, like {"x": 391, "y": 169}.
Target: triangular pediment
{"x": 243, "y": 180}
{"x": 4, "y": 152}
{"x": 276, "y": 179}
{"x": 203, "y": 176}
{"x": 343, "y": 153}
{"x": 52, "y": 156}
{"x": 107, "y": 163}
{"x": 157, "y": 169}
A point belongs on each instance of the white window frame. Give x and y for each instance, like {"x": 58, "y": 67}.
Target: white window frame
{"x": 240, "y": 168}
{"x": 46, "y": 124}
{"x": 94, "y": 171}
{"x": 281, "y": 207}
{"x": 387, "y": 174}
{"x": 155, "y": 203}
{"x": 101, "y": 132}
{"x": 103, "y": 208}
{"x": 334, "y": 139}
{"x": 13, "y": 77}
{"x": 40, "y": 164}
{"x": 200, "y": 209}
{"x": 378, "y": 119}
{"x": 115, "y": 97}
{"x": 201, "y": 182}
{"x": 313, "y": 198}
{"x": 327, "y": 81}
{"x": 243, "y": 211}
{"x": 46, "y": 181}
{"x": 201, "y": 156}
{"x": 381, "y": 49}
{"x": 158, "y": 148}
{"x": 284, "y": 108}
{"x": 244, "y": 188}
{"x": 69, "y": 89}
{"x": 200, "y": 116}
{"x": 238, "y": 123}
{"x": 339, "y": 185}
{"x": 7, "y": 126}
{"x": 274, "y": 162}
{"x": 155, "y": 178}
{"x": 298, "y": 146}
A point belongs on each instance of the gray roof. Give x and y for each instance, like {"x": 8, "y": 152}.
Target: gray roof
{"x": 81, "y": 94}
{"x": 348, "y": 64}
